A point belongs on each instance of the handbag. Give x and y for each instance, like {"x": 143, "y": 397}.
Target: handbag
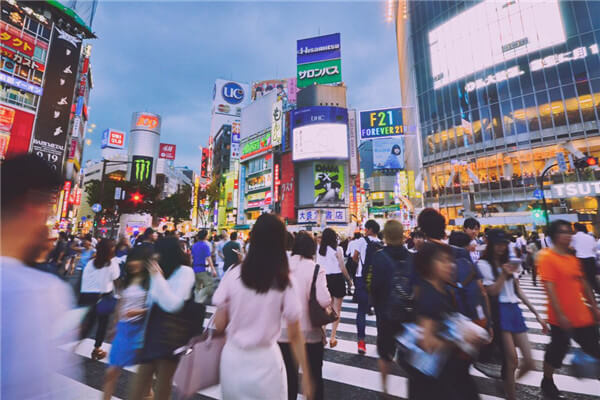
{"x": 106, "y": 304}
{"x": 199, "y": 363}
{"x": 319, "y": 316}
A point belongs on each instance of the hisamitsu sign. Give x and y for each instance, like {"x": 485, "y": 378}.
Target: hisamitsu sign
{"x": 576, "y": 189}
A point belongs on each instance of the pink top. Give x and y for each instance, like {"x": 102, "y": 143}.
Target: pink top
{"x": 254, "y": 319}
{"x": 301, "y": 275}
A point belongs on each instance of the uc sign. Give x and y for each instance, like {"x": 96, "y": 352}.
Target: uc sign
{"x": 233, "y": 93}
{"x": 147, "y": 121}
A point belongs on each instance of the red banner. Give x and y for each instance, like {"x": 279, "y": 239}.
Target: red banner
{"x": 20, "y": 133}
{"x": 167, "y": 151}
{"x": 16, "y": 39}
{"x": 7, "y": 117}
{"x": 286, "y": 187}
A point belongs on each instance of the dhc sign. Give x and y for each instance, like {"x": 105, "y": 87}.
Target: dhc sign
{"x": 233, "y": 93}
{"x": 576, "y": 189}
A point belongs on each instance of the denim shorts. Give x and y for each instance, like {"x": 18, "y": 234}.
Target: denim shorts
{"x": 511, "y": 318}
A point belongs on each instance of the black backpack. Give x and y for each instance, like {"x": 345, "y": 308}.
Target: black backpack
{"x": 367, "y": 267}
{"x": 401, "y": 304}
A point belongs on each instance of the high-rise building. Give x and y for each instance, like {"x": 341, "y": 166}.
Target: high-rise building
{"x": 501, "y": 89}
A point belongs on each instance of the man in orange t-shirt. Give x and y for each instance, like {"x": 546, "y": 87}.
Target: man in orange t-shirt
{"x": 568, "y": 314}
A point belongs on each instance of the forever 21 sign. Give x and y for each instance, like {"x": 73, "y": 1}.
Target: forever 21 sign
{"x": 50, "y": 134}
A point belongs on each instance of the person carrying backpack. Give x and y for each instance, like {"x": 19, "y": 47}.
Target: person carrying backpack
{"x": 392, "y": 287}
{"x": 363, "y": 255}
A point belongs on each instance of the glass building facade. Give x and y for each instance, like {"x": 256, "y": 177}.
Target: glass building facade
{"x": 500, "y": 86}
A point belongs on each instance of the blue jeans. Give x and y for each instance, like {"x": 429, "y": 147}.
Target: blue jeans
{"x": 360, "y": 289}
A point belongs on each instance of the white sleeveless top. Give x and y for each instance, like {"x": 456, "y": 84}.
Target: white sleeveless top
{"x": 329, "y": 262}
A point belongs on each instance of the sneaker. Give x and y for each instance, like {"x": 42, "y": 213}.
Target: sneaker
{"x": 550, "y": 391}
{"x": 362, "y": 347}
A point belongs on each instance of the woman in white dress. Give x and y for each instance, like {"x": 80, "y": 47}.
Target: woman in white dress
{"x": 252, "y": 301}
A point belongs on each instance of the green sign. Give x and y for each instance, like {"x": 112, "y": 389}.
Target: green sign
{"x": 329, "y": 71}
{"x": 256, "y": 146}
{"x": 383, "y": 209}
{"x": 141, "y": 169}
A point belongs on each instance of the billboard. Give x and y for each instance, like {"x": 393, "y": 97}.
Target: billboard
{"x": 230, "y": 97}
{"x": 256, "y": 146}
{"x": 495, "y": 32}
{"x": 259, "y": 182}
{"x": 321, "y": 72}
{"x": 277, "y": 123}
{"x": 286, "y": 187}
{"x": 353, "y": 148}
{"x": 381, "y": 123}
{"x": 257, "y": 117}
{"x": 148, "y": 122}
{"x": 329, "y": 184}
{"x": 141, "y": 169}
{"x": 7, "y": 118}
{"x": 52, "y": 123}
{"x": 314, "y": 215}
{"x": 113, "y": 139}
{"x": 20, "y": 84}
{"x": 319, "y": 132}
{"x": 319, "y": 48}
{"x": 388, "y": 153}
{"x": 167, "y": 151}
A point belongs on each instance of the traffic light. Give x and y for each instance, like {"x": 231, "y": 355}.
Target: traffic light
{"x": 137, "y": 198}
{"x": 103, "y": 221}
{"x": 585, "y": 162}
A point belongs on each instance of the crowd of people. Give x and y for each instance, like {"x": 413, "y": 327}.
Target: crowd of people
{"x": 451, "y": 296}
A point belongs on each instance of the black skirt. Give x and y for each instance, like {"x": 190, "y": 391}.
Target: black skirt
{"x": 336, "y": 285}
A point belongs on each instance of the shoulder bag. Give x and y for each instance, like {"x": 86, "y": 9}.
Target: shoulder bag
{"x": 319, "y": 316}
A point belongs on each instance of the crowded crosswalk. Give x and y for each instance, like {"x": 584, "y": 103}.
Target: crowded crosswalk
{"x": 349, "y": 375}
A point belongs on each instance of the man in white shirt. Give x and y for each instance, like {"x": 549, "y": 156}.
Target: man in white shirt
{"x": 359, "y": 256}
{"x": 34, "y": 303}
{"x": 585, "y": 250}
{"x": 472, "y": 227}
{"x": 350, "y": 253}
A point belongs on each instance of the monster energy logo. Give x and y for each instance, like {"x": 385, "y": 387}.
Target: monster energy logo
{"x": 142, "y": 169}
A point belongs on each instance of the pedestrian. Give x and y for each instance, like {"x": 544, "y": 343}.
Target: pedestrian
{"x": 352, "y": 266}
{"x": 58, "y": 255}
{"x": 533, "y": 247}
{"x": 97, "y": 283}
{"x": 169, "y": 301}
{"x": 417, "y": 238}
{"x": 202, "y": 260}
{"x": 363, "y": 255}
{"x": 501, "y": 278}
{"x": 302, "y": 268}
{"x": 330, "y": 257}
{"x": 472, "y": 227}
{"x": 434, "y": 302}
{"x": 32, "y": 301}
{"x": 253, "y": 300}
{"x": 222, "y": 239}
{"x": 148, "y": 238}
{"x": 232, "y": 252}
{"x": 585, "y": 251}
{"x": 568, "y": 314}
{"x": 392, "y": 288}
{"x": 123, "y": 247}
{"x": 130, "y": 311}
{"x": 71, "y": 254}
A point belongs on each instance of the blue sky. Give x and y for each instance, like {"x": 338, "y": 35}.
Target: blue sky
{"x": 164, "y": 57}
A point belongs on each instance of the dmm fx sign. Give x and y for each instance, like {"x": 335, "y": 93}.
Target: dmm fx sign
{"x": 576, "y": 189}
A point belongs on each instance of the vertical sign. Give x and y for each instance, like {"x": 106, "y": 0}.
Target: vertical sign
{"x": 276, "y": 182}
{"x": 50, "y": 133}
{"x": 276, "y": 123}
{"x": 353, "y": 152}
{"x": 241, "y": 216}
{"x": 141, "y": 169}
{"x": 204, "y": 163}
{"x": 562, "y": 163}
{"x": 65, "y": 204}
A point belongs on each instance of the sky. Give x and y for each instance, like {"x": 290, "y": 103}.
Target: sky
{"x": 164, "y": 57}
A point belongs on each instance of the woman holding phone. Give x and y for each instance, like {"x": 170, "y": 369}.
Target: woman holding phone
{"x": 501, "y": 279}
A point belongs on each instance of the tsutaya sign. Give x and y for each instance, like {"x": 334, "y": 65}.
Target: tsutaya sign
{"x": 576, "y": 189}
{"x": 534, "y": 65}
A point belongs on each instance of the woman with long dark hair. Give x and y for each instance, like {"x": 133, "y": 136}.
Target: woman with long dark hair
{"x": 97, "y": 282}
{"x": 302, "y": 270}
{"x": 501, "y": 279}
{"x": 253, "y": 300}
{"x": 331, "y": 258}
{"x": 169, "y": 300}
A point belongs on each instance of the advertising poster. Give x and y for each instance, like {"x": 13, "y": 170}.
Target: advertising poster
{"x": 381, "y": 123}
{"x": 329, "y": 184}
{"x": 388, "y": 153}
{"x": 259, "y": 89}
{"x": 319, "y": 132}
{"x": 259, "y": 182}
{"x": 141, "y": 169}
{"x": 277, "y": 123}
{"x": 167, "y": 151}
{"x": 256, "y": 146}
{"x": 52, "y": 124}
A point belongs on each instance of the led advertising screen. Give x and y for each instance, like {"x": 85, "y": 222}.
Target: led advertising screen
{"x": 329, "y": 184}
{"x": 381, "y": 123}
{"x": 320, "y": 132}
{"x": 388, "y": 153}
{"x": 490, "y": 33}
